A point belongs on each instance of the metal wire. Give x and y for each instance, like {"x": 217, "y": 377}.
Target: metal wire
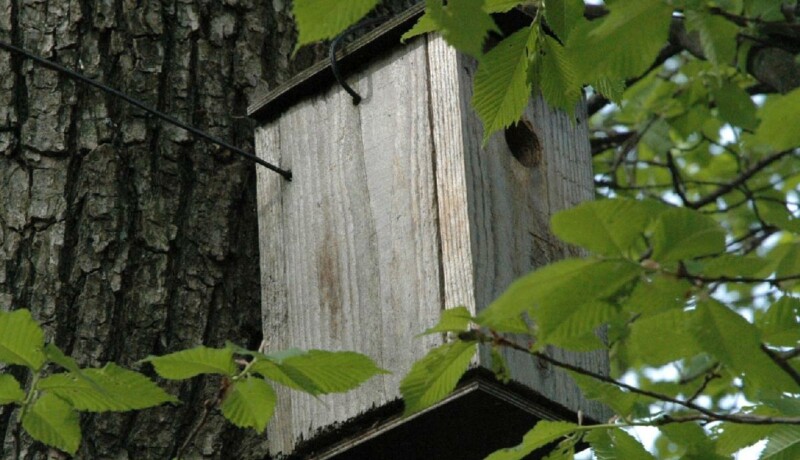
{"x": 168, "y": 118}
{"x": 335, "y": 64}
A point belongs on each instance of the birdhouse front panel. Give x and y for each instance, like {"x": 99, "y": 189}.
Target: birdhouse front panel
{"x": 396, "y": 211}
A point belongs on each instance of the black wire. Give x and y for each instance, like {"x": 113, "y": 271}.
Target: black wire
{"x": 168, "y": 118}
{"x": 335, "y": 64}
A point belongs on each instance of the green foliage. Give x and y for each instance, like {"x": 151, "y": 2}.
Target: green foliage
{"x": 21, "y": 340}
{"x": 49, "y": 408}
{"x": 249, "y": 403}
{"x": 323, "y": 19}
{"x": 436, "y": 375}
{"x": 54, "y": 422}
{"x": 543, "y": 433}
{"x": 186, "y": 364}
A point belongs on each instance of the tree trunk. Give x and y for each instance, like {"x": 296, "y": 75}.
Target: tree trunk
{"x": 126, "y": 236}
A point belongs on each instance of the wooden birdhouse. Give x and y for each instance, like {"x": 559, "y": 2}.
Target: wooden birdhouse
{"x": 396, "y": 211}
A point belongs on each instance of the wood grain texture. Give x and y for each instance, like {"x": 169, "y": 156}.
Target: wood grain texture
{"x": 495, "y": 211}
{"x": 397, "y": 211}
{"x": 359, "y": 234}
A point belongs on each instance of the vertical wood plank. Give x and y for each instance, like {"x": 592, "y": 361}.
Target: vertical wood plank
{"x": 360, "y": 233}
{"x": 274, "y": 307}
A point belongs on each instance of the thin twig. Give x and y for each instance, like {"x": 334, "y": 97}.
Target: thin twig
{"x": 782, "y": 363}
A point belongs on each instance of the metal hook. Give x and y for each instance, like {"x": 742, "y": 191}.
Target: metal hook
{"x": 335, "y": 64}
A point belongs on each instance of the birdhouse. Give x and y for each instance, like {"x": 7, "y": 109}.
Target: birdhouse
{"x": 395, "y": 212}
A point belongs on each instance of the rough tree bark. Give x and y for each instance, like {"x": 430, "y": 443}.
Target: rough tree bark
{"x": 123, "y": 235}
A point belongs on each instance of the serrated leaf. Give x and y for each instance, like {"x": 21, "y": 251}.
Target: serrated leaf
{"x": 607, "y": 227}
{"x": 717, "y": 35}
{"x": 249, "y": 403}
{"x": 735, "y": 106}
{"x": 616, "y": 444}
{"x": 735, "y": 342}
{"x": 322, "y": 19}
{"x": 657, "y": 295}
{"x": 778, "y": 112}
{"x": 558, "y": 81}
{"x": 501, "y": 83}
{"x": 730, "y": 265}
{"x": 623, "y": 44}
{"x": 662, "y": 338}
{"x": 500, "y": 6}
{"x": 194, "y": 361}
{"x": 612, "y": 89}
{"x": 55, "y": 355}
{"x": 733, "y": 437}
{"x": 21, "y": 340}
{"x": 780, "y": 325}
{"x": 433, "y": 377}
{"x": 563, "y": 15}
{"x": 623, "y": 403}
{"x": 544, "y": 293}
{"x": 577, "y": 332}
{"x": 500, "y": 367}
{"x": 10, "y": 390}
{"x": 110, "y": 388}
{"x": 682, "y": 233}
{"x": 782, "y": 444}
{"x": 320, "y": 372}
{"x": 694, "y": 440}
{"x": 453, "y": 320}
{"x": 543, "y": 433}
{"x": 463, "y": 23}
{"x": 424, "y": 25}
{"x": 52, "y": 421}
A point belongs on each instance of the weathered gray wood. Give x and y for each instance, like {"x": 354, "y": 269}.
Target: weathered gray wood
{"x": 397, "y": 211}
{"x": 495, "y": 211}
{"x": 359, "y": 234}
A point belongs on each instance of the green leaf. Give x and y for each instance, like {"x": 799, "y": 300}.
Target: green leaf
{"x": 682, "y": 233}
{"x": 780, "y": 326}
{"x": 735, "y": 342}
{"x": 322, "y": 19}
{"x": 10, "y": 390}
{"x": 766, "y": 10}
{"x": 21, "y": 340}
{"x": 543, "y": 433}
{"x": 110, "y": 388}
{"x": 735, "y": 436}
{"x": 559, "y": 81}
{"x": 436, "y": 375}
{"x": 55, "y": 355}
{"x": 693, "y": 439}
{"x": 500, "y": 6}
{"x": 453, "y": 320}
{"x": 662, "y": 338}
{"x": 779, "y": 112}
{"x": 320, "y": 372}
{"x": 622, "y": 44}
{"x": 730, "y": 265}
{"x": 423, "y": 25}
{"x": 500, "y": 367}
{"x": 249, "y": 403}
{"x": 53, "y": 422}
{"x": 623, "y": 403}
{"x": 195, "y": 361}
{"x": 717, "y": 36}
{"x": 608, "y": 227}
{"x": 501, "y": 83}
{"x": 783, "y": 444}
{"x": 577, "y": 331}
{"x": 734, "y": 104}
{"x": 463, "y": 23}
{"x": 563, "y": 15}
{"x": 616, "y": 444}
{"x": 549, "y": 294}
{"x": 657, "y": 295}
